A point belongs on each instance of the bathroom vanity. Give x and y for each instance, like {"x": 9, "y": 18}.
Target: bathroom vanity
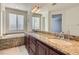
{"x": 47, "y": 44}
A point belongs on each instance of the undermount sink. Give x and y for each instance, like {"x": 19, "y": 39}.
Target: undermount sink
{"x": 56, "y": 40}
{"x": 52, "y": 38}
{"x": 59, "y": 42}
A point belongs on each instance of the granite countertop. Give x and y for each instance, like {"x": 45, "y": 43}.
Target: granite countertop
{"x": 69, "y": 47}
{"x": 12, "y": 36}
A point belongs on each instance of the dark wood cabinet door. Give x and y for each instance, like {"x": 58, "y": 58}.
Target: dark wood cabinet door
{"x": 52, "y": 52}
{"x": 45, "y": 50}
{"x": 25, "y": 41}
{"x": 27, "y": 38}
{"x": 41, "y": 49}
{"x": 28, "y": 43}
{"x": 33, "y": 45}
{"x": 31, "y": 52}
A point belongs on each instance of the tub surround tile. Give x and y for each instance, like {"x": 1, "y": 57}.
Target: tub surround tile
{"x": 11, "y": 42}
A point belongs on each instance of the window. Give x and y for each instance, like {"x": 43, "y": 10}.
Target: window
{"x": 56, "y": 23}
{"x": 15, "y": 21}
{"x": 35, "y": 23}
{"x": 12, "y": 22}
{"x": 20, "y": 22}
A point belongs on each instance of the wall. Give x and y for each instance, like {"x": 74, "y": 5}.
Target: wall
{"x": 0, "y": 18}
{"x": 70, "y": 20}
{"x": 50, "y": 18}
{"x": 17, "y": 6}
{"x": 25, "y": 8}
{"x": 14, "y": 6}
{"x": 45, "y": 15}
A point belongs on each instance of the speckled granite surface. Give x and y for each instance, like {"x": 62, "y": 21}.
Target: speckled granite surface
{"x": 11, "y": 42}
{"x": 69, "y": 47}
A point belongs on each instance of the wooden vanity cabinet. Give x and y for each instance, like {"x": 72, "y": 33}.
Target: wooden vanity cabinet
{"x": 27, "y": 43}
{"x": 36, "y": 47}
{"x": 33, "y": 45}
{"x": 41, "y": 49}
{"x": 52, "y": 52}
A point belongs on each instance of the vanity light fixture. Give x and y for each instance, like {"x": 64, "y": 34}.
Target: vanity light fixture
{"x": 35, "y": 8}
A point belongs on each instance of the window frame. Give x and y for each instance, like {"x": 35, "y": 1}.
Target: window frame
{"x": 16, "y": 12}
{"x": 37, "y": 15}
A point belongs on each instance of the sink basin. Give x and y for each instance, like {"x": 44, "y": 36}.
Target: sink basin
{"x": 60, "y": 42}
{"x": 48, "y": 36}
{"x": 55, "y": 40}
{"x": 52, "y": 38}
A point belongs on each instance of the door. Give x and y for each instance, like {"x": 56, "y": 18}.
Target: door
{"x": 56, "y": 23}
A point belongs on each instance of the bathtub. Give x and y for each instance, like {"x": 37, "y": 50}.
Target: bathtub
{"x": 12, "y": 40}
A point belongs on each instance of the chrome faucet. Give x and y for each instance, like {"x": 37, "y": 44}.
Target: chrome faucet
{"x": 61, "y": 35}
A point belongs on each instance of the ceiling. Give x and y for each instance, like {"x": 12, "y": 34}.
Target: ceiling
{"x": 46, "y": 6}
{"x": 50, "y": 7}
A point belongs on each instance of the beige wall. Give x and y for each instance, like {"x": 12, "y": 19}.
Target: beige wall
{"x": 17, "y": 6}
{"x": 45, "y": 15}
{"x": 14, "y": 6}
{"x": 24, "y": 8}
{"x": 0, "y": 18}
{"x": 70, "y": 20}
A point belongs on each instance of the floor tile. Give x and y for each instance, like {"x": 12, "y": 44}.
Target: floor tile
{"x": 20, "y": 50}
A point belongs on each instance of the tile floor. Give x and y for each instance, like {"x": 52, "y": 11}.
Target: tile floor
{"x": 20, "y": 50}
